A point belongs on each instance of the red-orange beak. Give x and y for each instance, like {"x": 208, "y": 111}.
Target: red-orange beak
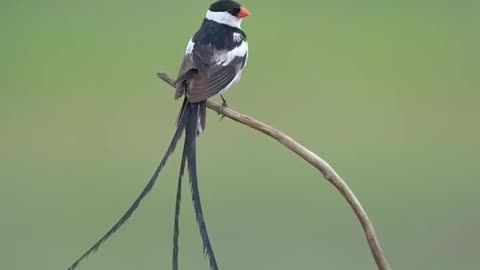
{"x": 243, "y": 13}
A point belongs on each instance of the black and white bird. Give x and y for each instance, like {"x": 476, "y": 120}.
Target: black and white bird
{"x": 213, "y": 62}
{"x": 215, "y": 56}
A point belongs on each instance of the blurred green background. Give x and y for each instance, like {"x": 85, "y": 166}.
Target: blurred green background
{"x": 388, "y": 92}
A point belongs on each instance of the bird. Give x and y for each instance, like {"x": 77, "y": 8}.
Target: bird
{"x": 213, "y": 62}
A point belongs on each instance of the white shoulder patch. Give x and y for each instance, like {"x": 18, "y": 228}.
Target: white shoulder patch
{"x": 237, "y": 37}
{"x": 189, "y": 47}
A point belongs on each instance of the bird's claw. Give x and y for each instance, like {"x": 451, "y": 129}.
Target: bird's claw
{"x": 223, "y": 106}
{"x": 220, "y": 110}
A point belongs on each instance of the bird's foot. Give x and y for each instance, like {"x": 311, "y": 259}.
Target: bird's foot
{"x": 223, "y": 106}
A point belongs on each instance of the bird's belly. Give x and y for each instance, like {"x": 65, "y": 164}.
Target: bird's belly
{"x": 235, "y": 80}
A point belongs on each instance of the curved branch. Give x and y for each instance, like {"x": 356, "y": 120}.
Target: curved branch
{"x": 327, "y": 171}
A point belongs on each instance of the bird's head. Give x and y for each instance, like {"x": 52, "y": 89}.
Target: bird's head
{"x": 227, "y": 12}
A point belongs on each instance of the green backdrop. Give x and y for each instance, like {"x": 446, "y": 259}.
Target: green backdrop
{"x": 388, "y": 92}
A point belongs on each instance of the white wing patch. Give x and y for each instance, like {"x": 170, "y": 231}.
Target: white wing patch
{"x": 240, "y": 51}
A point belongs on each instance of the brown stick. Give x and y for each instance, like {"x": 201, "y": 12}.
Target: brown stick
{"x": 327, "y": 171}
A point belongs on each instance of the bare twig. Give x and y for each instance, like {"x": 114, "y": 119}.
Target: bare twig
{"x": 327, "y": 171}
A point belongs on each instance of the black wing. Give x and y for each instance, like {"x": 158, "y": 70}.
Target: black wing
{"x": 206, "y": 71}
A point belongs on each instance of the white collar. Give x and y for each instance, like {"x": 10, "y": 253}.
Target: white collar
{"x": 224, "y": 17}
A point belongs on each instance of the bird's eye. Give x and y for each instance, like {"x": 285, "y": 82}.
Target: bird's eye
{"x": 234, "y": 11}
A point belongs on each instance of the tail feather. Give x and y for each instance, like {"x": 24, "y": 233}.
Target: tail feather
{"x": 202, "y": 117}
{"x": 176, "y": 227}
{"x": 181, "y": 124}
{"x": 181, "y": 113}
{"x": 192, "y": 119}
{"x": 195, "y": 119}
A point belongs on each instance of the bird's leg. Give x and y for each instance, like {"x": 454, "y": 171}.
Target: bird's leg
{"x": 224, "y": 102}
{"x": 224, "y": 105}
